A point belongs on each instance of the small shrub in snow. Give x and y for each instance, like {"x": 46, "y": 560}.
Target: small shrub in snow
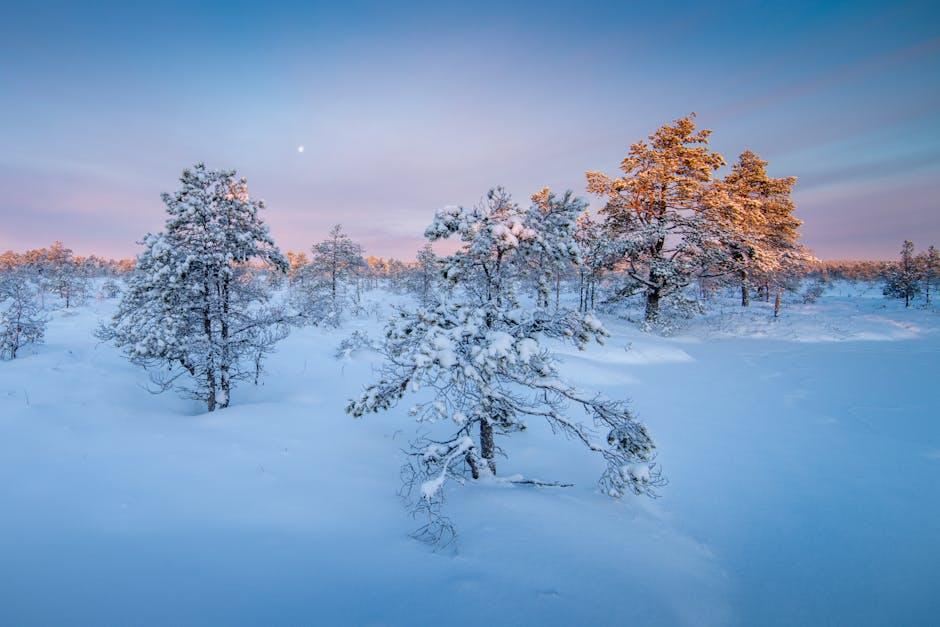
{"x": 357, "y": 341}
{"x": 110, "y": 289}
{"x": 813, "y": 291}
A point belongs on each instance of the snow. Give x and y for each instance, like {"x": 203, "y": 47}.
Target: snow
{"x": 803, "y": 458}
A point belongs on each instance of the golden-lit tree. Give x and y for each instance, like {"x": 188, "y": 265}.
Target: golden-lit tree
{"x": 756, "y": 224}
{"x": 657, "y": 209}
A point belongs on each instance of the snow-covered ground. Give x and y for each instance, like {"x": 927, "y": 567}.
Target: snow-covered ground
{"x": 803, "y": 458}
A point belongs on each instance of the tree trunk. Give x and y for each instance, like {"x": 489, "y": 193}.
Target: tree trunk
{"x": 745, "y": 291}
{"x": 488, "y": 444}
{"x": 210, "y": 385}
{"x": 557, "y": 290}
{"x": 777, "y": 305}
{"x": 652, "y": 304}
{"x": 210, "y": 362}
{"x": 654, "y": 294}
{"x": 581, "y": 303}
{"x": 226, "y": 382}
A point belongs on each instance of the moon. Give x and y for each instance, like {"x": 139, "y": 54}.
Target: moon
{"x": 300, "y": 148}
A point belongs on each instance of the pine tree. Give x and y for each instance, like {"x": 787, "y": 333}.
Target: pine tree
{"x": 328, "y": 287}
{"x": 904, "y": 280}
{"x": 755, "y": 222}
{"x": 296, "y": 262}
{"x": 657, "y": 210}
{"x": 193, "y": 311}
{"x": 555, "y": 250}
{"x": 929, "y": 262}
{"x": 21, "y": 318}
{"x": 597, "y": 255}
{"x": 480, "y": 354}
{"x": 426, "y": 277}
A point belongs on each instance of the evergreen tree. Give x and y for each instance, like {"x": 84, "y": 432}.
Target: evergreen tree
{"x": 657, "y": 210}
{"x": 425, "y": 278}
{"x": 21, "y": 318}
{"x": 327, "y": 286}
{"x": 597, "y": 255}
{"x": 296, "y": 262}
{"x": 929, "y": 262}
{"x": 904, "y": 281}
{"x": 193, "y": 311}
{"x": 555, "y": 250}
{"x": 755, "y": 222}
{"x": 480, "y": 354}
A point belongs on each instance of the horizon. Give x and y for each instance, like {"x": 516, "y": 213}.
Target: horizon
{"x": 374, "y": 116}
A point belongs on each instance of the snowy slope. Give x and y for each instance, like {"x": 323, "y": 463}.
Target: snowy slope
{"x": 803, "y": 458}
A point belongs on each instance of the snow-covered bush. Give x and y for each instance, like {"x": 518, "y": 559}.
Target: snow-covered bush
{"x": 109, "y": 289}
{"x": 194, "y": 312}
{"x": 480, "y": 355}
{"x": 813, "y": 291}
{"x": 359, "y": 340}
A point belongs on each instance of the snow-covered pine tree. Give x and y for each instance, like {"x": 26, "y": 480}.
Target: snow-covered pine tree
{"x": 904, "y": 280}
{"x": 929, "y": 262}
{"x": 556, "y": 251}
{"x": 21, "y": 319}
{"x": 192, "y": 312}
{"x": 480, "y": 355}
{"x": 396, "y": 271}
{"x": 597, "y": 255}
{"x": 328, "y": 287}
{"x": 656, "y": 210}
{"x": 425, "y": 277}
{"x": 755, "y": 224}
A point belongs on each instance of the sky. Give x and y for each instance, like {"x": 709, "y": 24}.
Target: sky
{"x": 402, "y": 108}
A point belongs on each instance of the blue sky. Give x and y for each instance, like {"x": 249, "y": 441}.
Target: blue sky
{"x": 402, "y": 108}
